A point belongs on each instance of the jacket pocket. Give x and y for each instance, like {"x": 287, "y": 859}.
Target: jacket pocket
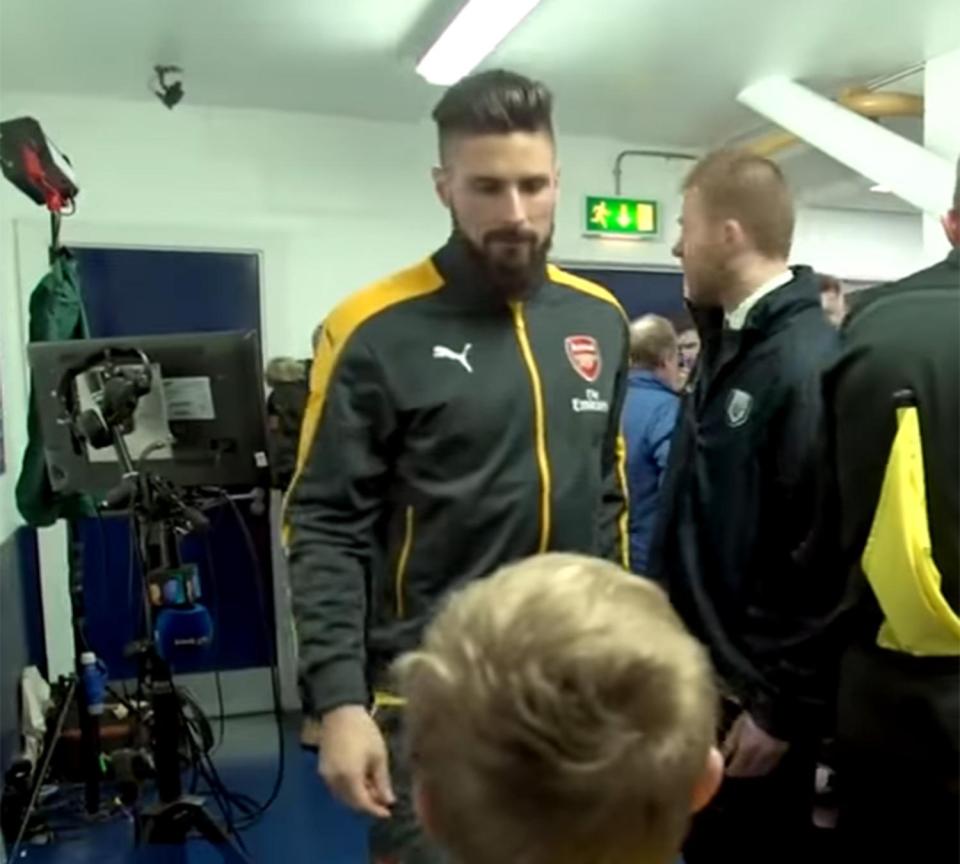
{"x": 403, "y": 562}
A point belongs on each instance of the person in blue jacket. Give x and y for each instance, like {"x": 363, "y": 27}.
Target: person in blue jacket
{"x": 649, "y": 417}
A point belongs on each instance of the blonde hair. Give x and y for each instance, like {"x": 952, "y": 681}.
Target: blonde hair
{"x": 653, "y": 340}
{"x": 559, "y": 713}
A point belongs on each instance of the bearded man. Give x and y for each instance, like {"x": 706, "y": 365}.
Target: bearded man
{"x": 463, "y": 414}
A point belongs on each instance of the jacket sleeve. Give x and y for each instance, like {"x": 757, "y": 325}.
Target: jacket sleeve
{"x": 614, "y": 529}
{"x": 332, "y": 508}
{"x": 802, "y": 601}
{"x": 661, "y": 434}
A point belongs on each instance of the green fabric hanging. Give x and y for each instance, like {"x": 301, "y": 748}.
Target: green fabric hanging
{"x": 56, "y": 315}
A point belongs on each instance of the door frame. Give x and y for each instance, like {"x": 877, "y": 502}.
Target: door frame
{"x": 245, "y": 691}
{"x": 622, "y": 266}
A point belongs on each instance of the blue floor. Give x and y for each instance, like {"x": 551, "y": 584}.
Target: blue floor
{"x": 304, "y": 826}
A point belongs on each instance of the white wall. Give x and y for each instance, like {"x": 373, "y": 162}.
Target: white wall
{"x": 859, "y": 244}
{"x": 941, "y": 128}
{"x": 330, "y": 203}
{"x": 12, "y": 377}
{"x": 346, "y": 201}
{"x": 349, "y": 200}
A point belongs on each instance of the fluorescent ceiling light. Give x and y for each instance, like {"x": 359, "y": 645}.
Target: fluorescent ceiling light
{"x": 883, "y": 190}
{"x": 479, "y": 27}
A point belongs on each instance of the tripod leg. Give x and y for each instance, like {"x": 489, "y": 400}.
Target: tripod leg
{"x": 89, "y": 724}
{"x": 90, "y": 738}
{"x": 166, "y": 739}
{"x": 171, "y": 824}
{"x": 216, "y": 836}
{"x": 44, "y": 767}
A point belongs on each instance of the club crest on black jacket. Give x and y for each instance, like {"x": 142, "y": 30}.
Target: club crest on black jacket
{"x": 448, "y": 432}
{"x": 739, "y": 501}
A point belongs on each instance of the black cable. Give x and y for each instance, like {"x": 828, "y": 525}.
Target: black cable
{"x": 218, "y": 644}
{"x": 216, "y": 788}
{"x": 205, "y": 768}
{"x": 142, "y": 626}
{"x": 104, "y": 554}
{"x": 251, "y": 808}
{"x": 124, "y": 699}
{"x": 142, "y": 621}
{"x": 131, "y": 577}
{"x": 271, "y": 652}
{"x": 225, "y": 799}
{"x": 221, "y": 710}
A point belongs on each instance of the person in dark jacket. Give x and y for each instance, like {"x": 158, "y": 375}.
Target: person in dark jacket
{"x": 463, "y": 413}
{"x": 739, "y": 499}
{"x": 289, "y": 382}
{"x": 898, "y": 724}
{"x": 833, "y": 299}
{"x": 688, "y": 346}
{"x": 649, "y": 417}
{"x": 288, "y": 379}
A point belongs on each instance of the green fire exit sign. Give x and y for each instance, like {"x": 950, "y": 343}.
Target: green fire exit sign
{"x": 622, "y": 217}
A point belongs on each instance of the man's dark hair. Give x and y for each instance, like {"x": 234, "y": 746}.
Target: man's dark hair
{"x": 494, "y": 102}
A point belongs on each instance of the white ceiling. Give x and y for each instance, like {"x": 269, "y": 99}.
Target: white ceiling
{"x": 658, "y": 72}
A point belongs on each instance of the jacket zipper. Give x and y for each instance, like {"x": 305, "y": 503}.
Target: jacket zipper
{"x": 540, "y": 425}
{"x": 402, "y": 562}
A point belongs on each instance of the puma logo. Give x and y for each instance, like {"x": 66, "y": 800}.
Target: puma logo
{"x": 441, "y": 352}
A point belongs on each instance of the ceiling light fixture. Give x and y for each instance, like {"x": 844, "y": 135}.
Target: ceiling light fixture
{"x": 883, "y": 190}
{"x": 480, "y": 26}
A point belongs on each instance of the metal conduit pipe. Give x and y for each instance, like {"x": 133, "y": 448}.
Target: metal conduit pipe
{"x": 662, "y": 154}
{"x": 874, "y": 104}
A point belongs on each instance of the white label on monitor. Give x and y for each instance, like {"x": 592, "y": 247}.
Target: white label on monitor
{"x": 189, "y": 399}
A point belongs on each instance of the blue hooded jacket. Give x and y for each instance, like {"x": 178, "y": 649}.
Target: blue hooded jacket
{"x": 649, "y": 417}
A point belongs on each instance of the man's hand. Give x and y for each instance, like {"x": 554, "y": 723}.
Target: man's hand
{"x": 354, "y": 761}
{"x": 749, "y": 751}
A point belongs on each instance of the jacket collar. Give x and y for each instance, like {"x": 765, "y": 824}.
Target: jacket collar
{"x": 643, "y": 379}
{"x": 953, "y": 259}
{"x": 800, "y": 293}
{"x": 465, "y": 280}
{"x": 736, "y": 318}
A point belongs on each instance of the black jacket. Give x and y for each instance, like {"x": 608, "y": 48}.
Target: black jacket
{"x": 447, "y": 433}
{"x": 739, "y": 499}
{"x": 902, "y": 336}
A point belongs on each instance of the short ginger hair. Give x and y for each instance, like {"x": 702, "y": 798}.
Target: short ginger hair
{"x": 559, "y": 713}
{"x": 738, "y": 184}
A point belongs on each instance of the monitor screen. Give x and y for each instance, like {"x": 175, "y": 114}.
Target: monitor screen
{"x": 202, "y": 423}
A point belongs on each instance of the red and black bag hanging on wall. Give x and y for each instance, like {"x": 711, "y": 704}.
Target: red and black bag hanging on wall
{"x": 35, "y": 165}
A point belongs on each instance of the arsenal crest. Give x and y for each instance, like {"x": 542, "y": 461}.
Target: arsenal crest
{"x": 584, "y": 355}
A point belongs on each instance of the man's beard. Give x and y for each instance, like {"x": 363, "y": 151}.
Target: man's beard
{"x": 708, "y": 280}
{"x": 518, "y": 268}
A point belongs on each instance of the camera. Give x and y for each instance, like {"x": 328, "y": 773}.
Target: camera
{"x": 170, "y": 92}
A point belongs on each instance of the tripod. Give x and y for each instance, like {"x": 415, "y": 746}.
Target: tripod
{"x": 159, "y": 514}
